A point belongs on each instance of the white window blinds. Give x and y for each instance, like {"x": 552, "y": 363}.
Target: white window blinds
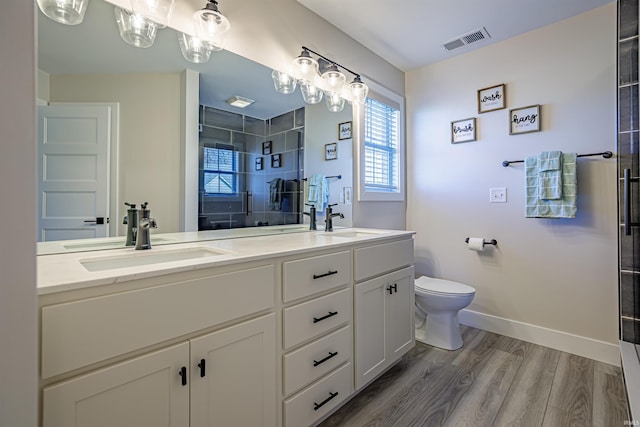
{"x": 381, "y": 139}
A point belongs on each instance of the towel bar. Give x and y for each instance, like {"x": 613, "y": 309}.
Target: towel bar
{"x": 332, "y": 176}
{"x": 605, "y": 154}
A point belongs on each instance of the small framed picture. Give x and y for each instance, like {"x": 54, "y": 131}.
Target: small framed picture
{"x": 491, "y": 99}
{"x": 266, "y": 148}
{"x": 259, "y": 164}
{"x": 463, "y": 130}
{"x": 331, "y": 151}
{"x": 276, "y": 161}
{"x": 524, "y": 120}
{"x": 344, "y": 130}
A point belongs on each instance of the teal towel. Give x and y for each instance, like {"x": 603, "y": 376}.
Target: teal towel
{"x": 567, "y": 206}
{"x": 550, "y": 175}
{"x": 318, "y": 191}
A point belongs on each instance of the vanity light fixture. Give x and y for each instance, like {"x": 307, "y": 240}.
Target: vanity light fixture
{"x": 240, "y": 101}
{"x": 135, "y": 29}
{"x": 68, "y": 12}
{"x": 211, "y": 26}
{"x": 193, "y": 49}
{"x": 158, "y": 11}
{"x": 321, "y": 77}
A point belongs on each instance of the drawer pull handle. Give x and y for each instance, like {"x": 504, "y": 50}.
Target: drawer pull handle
{"x": 330, "y": 273}
{"x": 202, "y": 365}
{"x": 317, "y": 406}
{"x": 319, "y": 319}
{"x": 325, "y": 359}
{"x": 183, "y": 374}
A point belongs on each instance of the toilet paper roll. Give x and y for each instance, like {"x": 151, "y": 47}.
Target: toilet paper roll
{"x": 476, "y": 244}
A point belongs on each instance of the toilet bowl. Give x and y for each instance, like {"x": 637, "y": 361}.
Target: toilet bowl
{"x": 437, "y": 304}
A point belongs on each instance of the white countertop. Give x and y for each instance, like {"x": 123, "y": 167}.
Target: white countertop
{"x": 65, "y": 271}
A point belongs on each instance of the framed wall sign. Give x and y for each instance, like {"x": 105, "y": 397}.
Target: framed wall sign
{"x": 463, "y": 130}
{"x": 524, "y": 120}
{"x": 276, "y": 161}
{"x": 491, "y": 99}
{"x": 259, "y": 164}
{"x": 331, "y": 151}
{"x": 266, "y": 148}
{"x": 344, "y": 130}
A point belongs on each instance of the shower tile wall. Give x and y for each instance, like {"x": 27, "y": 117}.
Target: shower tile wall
{"x": 628, "y": 158}
{"x": 251, "y": 206}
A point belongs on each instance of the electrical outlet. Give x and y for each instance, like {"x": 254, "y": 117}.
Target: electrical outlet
{"x": 498, "y": 195}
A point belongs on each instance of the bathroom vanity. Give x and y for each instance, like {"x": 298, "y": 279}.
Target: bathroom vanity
{"x": 266, "y": 330}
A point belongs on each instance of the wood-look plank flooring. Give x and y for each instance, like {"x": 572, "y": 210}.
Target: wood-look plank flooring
{"x": 492, "y": 381}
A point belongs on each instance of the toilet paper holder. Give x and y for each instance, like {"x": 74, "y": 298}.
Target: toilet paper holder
{"x": 485, "y": 242}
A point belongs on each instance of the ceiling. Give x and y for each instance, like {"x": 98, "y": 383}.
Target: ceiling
{"x": 409, "y": 33}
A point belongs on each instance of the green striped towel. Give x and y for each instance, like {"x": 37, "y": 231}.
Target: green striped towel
{"x": 567, "y": 206}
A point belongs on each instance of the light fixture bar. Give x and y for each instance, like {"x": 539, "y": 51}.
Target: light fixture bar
{"x": 331, "y": 61}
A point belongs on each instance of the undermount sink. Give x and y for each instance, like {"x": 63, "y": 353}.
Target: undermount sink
{"x": 113, "y": 244}
{"x": 352, "y": 234}
{"x": 147, "y": 258}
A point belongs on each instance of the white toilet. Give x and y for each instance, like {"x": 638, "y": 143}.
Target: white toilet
{"x": 437, "y": 304}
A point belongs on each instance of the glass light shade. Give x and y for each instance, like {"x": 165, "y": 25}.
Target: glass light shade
{"x": 135, "y": 29}
{"x": 358, "y": 90}
{"x": 193, "y": 49}
{"x": 158, "y": 11}
{"x": 310, "y": 93}
{"x": 68, "y": 12}
{"x": 211, "y": 26}
{"x": 284, "y": 83}
{"x": 305, "y": 67}
{"x": 335, "y": 103}
{"x": 333, "y": 80}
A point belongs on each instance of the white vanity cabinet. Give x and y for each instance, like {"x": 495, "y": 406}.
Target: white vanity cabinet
{"x": 222, "y": 377}
{"x": 235, "y": 385}
{"x": 317, "y": 336}
{"x": 383, "y": 308}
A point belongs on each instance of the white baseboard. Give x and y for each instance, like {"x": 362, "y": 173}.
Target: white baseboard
{"x": 563, "y": 341}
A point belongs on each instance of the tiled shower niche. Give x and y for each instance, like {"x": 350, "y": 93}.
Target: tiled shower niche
{"x": 250, "y": 170}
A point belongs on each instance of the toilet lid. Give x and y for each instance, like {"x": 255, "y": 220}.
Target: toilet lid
{"x": 441, "y": 286}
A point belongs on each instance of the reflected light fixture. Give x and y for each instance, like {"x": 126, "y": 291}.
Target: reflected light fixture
{"x": 135, "y": 29}
{"x": 335, "y": 102}
{"x": 158, "y": 11}
{"x": 311, "y": 93}
{"x": 68, "y": 12}
{"x": 283, "y": 82}
{"x": 211, "y": 26}
{"x": 193, "y": 49}
{"x": 239, "y": 101}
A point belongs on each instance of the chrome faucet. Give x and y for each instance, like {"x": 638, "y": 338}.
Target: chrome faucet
{"x": 145, "y": 223}
{"x": 131, "y": 221}
{"x": 312, "y": 216}
{"x": 329, "y": 221}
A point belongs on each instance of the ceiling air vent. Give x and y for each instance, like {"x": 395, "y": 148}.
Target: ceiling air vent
{"x": 465, "y": 39}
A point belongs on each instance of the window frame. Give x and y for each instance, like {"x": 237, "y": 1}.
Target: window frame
{"x": 237, "y": 174}
{"x": 365, "y": 194}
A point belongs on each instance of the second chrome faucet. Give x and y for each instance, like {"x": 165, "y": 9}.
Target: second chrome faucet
{"x": 139, "y": 224}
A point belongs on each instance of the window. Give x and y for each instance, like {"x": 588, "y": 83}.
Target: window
{"x": 381, "y": 147}
{"x": 220, "y": 170}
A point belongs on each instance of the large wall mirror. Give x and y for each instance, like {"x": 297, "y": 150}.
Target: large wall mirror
{"x": 87, "y": 74}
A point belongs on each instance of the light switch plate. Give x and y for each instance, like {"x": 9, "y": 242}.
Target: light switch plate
{"x": 498, "y": 195}
{"x": 346, "y": 193}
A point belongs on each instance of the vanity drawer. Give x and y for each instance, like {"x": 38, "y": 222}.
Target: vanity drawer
{"x": 308, "y": 276}
{"x": 314, "y": 360}
{"x": 375, "y": 260}
{"x": 312, "y": 318}
{"x": 84, "y": 332}
{"x": 313, "y": 403}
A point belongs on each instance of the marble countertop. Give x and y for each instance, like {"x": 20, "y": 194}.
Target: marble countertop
{"x": 70, "y": 271}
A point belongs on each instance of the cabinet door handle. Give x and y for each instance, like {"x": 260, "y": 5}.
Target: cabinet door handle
{"x": 183, "y": 374}
{"x": 317, "y": 406}
{"x": 330, "y": 273}
{"x": 393, "y": 288}
{"x": 319, "y": 319}
{"x": 202, "y": 365}
{"x": 325, "y": 359}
